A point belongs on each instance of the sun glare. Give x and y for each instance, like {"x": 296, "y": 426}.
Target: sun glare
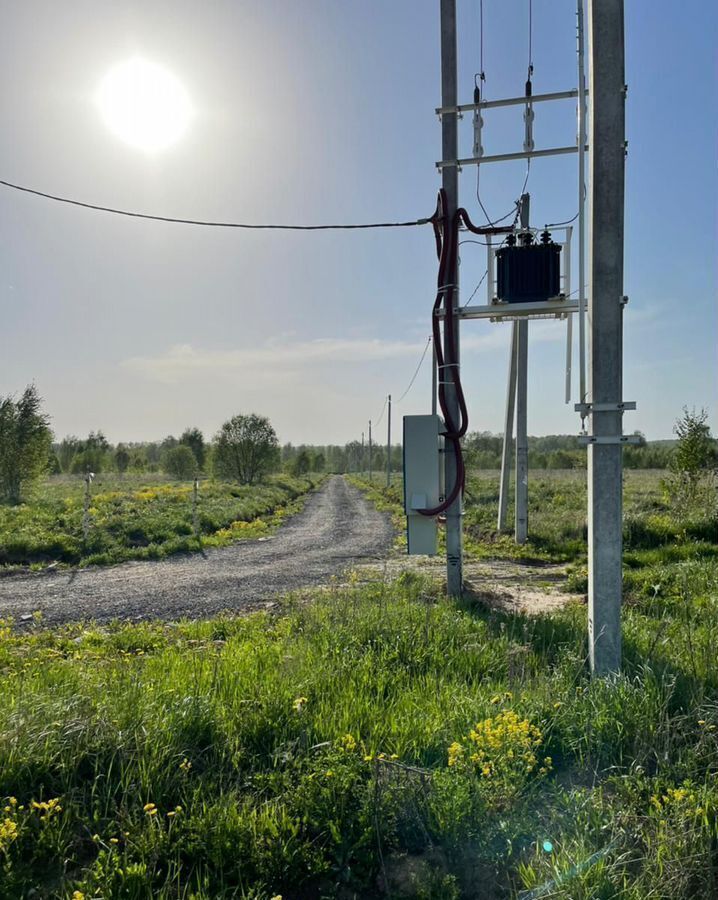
{"x": 144, "y": 105}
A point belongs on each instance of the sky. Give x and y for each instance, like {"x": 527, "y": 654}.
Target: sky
{"x": 323, "y": 111}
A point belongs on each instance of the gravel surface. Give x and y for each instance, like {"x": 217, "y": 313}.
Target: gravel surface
{"x": 336, "y": 528}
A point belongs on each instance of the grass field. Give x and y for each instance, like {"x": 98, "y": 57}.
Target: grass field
{"x": 139, "y": 518}
{"x": 381, "y": 740}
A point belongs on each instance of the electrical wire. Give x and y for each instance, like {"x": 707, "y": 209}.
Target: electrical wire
{"x": 182, "y": 221}
{"x": 418, "y": 368}
{"x": 376, "y": 422}
{"x": 531, "y": 28}
{"x": 481, "y": 73}
{"x": 475, "y": 290}
{"x": 515, "y": 210}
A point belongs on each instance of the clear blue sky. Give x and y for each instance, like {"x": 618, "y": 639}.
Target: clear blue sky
{"x": 324, "y": 111}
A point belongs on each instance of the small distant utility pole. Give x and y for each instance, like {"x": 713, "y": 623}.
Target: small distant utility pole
{"x": 371, "y": 474}
{"x": 388, "y": 442}
{"x": 450, "y": 184}
{"x": 605, "y": 315}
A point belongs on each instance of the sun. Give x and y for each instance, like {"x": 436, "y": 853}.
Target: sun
{"x": 144, "y": 105}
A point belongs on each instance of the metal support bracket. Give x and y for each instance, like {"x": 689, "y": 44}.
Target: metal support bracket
{"x": 609, "y": 439}
{"x": 588, "y": 408}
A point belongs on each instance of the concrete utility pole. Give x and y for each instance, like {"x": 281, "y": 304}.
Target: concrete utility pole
{"x": 605, "y": 313}
{"x": 388, "y": 442}
{"x": 508, "y": 430}
{"x": 450, "y": 183}
{"x": 522, "y": 442}
{"x": 371, "y": 474}
{"x": 521, "y": 493}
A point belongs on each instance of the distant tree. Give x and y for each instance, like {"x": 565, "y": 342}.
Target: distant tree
{"x": 246, "y": 448}
{"x": 53, "y": 464}
{"x": 122, "y": 459}
{"x": 179, "y": 462}
{"x": 66, "y": 451}
{"x": 92, "y": 454}
{"x": 302, "y": 463}
{"x": 153, "y": 453}
{"x": 318, "y": 462}
{"x": 194, "y": 439}
{"x": 138, "y": 459}
{"x": 25, "y": 442}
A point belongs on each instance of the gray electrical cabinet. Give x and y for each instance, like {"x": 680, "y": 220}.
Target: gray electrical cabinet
{"x": 422, "y": 481}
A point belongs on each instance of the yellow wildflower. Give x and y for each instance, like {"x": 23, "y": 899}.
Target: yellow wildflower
{"x": 299, "y": 703}
{"x": 8, "y": 832}
{"x": 456, "y": 751}
{"x": 348, "y": 743}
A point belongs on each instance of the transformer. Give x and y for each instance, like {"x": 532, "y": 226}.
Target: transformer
{"x": 528, "y": 272}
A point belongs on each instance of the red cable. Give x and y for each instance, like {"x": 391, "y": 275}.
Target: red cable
{"x": 446, "y": 234}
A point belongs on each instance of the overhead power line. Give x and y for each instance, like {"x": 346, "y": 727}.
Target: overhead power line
{"x": 182, "y": 221}
{"x": 418, "y": 368}
{"x": 377, "y": 422}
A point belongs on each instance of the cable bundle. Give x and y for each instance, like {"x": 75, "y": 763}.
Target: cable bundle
{"x": 446, "y": 233}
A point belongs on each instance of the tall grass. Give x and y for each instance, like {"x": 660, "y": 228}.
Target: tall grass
{"x": 309, "y": 755}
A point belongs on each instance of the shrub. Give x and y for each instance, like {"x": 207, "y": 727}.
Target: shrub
{"x": 180, "y": 462}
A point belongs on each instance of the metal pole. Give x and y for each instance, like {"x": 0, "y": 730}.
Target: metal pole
{"x": 450, "y": 184}
{"x": 607, "y": 163}
{"x": 508, "y": 430}
{"x": 581, "y": 120}
{"x": 370, "y": 471}
{"x": 434, "y": 379}
{"x": 522, "y": 446}
{"x": 388, "y": 442}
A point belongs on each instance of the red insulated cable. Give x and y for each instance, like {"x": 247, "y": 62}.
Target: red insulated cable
{"x": 446, "y": 233}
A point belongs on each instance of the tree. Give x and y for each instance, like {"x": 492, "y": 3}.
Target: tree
{"x": 696, "y": 448}
{"x": 246, "y": 447}
{"x": 67, "y": 451}
{"x": 319, "y": 462}
{"x": 194, "y": 439}
{"x": 180, "y": 462}
{"x": 92, "y": 453}
{"x": 25, "y": 442}
{"x": 122, "y": 459}
{"x": 302, "y": 463}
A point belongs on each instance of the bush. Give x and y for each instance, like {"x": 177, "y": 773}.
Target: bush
{"x": 180, "y": 463}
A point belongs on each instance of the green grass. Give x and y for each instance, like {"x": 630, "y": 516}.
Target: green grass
{"x": 308, "y": 754}
{"x": 139, "y": 518}
{"x": 326, "y": 752}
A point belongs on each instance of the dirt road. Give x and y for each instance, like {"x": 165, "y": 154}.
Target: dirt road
{"x": 336, "y": 529}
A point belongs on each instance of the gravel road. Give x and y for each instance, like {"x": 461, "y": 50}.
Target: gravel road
{"x": 336, "y": 528}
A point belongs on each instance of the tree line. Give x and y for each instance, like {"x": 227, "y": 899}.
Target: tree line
{"x": 246, "y": 448}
